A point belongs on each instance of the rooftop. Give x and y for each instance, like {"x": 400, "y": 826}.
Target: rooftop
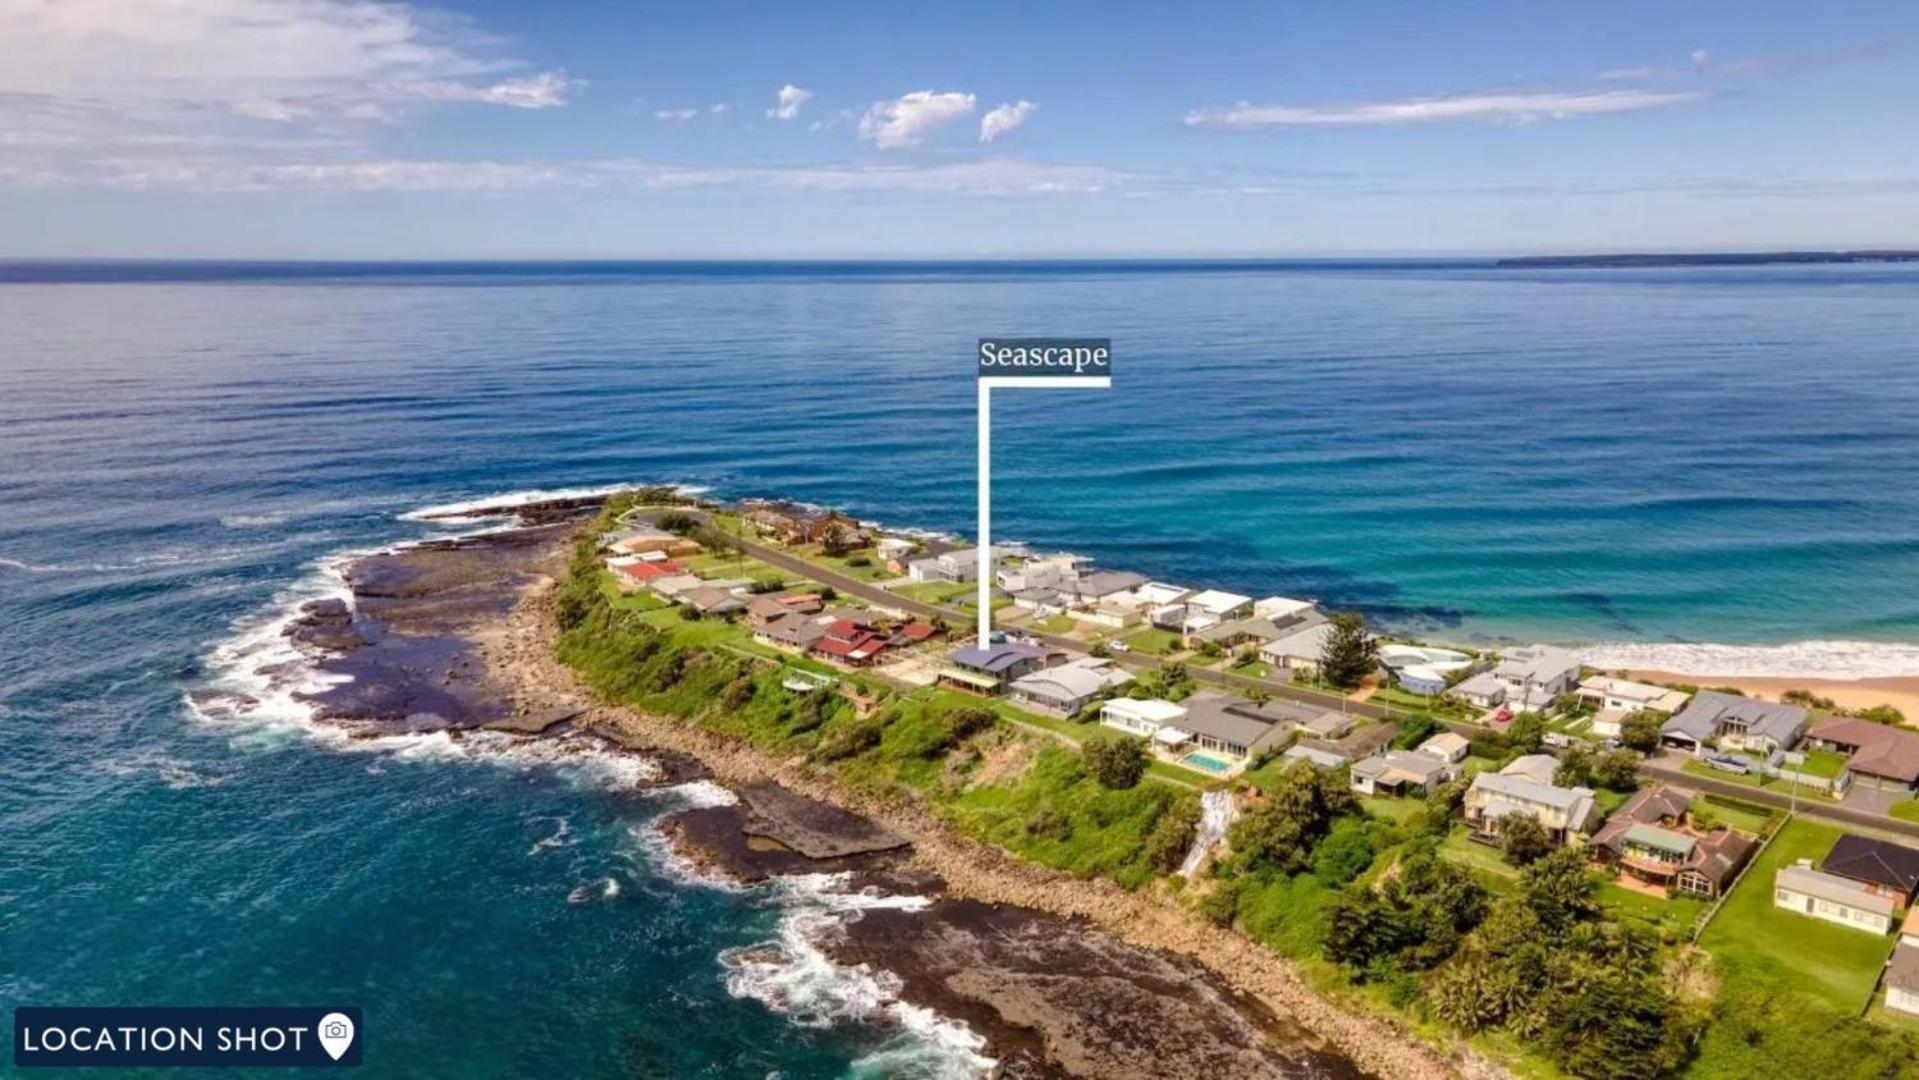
{"x": 1880, "y": 862}
{"x": 1708, "y": 709}
{"x": 1830, "y": 887}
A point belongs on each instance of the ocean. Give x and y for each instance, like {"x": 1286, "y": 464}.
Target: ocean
{"x": 1676, "y": 461}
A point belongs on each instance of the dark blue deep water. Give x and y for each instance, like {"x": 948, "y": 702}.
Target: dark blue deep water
{"x": 1674, "y": 457}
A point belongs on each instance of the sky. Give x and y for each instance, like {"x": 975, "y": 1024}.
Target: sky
{"x": 714, "y": 129}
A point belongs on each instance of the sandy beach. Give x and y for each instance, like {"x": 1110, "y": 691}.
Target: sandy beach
{"x": 1901, "y": 693}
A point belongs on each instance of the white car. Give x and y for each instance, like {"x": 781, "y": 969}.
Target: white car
{"x": 1119, "y": 646}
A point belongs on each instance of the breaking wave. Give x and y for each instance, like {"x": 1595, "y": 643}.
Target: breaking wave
{"x": 1797, "y": 660}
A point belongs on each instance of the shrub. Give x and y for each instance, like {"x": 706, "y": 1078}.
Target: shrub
{"x": 1117, "y": 762}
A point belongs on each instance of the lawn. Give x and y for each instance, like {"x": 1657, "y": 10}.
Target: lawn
{"x": 1391, "y": 809}
{"x": 1833, "y": 964}
{"x": 1056, "y": 624}
{"x": 1823, "y": 764}
{"x": 1907, "y": 810}
{"x": 1392, "y": 695}
{"x": 1152, "y": 641}
{"x": 1073, "y": 730}
{"x": 1745, "y": 817}
{"x": 849, "y": 565}
{"x": 1491, "y": 867}
{"x": 936, "y": 592}
{"x": 1677, "y": 914}
{"x": 1753, "y": 779}
{"x": 730, "y": 566}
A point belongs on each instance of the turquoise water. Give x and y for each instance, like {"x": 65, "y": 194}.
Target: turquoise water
{"x": 1210, "y": 764}
{"x": 1675, "y": 457}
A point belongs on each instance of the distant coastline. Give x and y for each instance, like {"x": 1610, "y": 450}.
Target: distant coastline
{"x": 1730, "y": 258}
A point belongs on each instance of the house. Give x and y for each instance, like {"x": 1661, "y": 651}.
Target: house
{"x": 772, "y": 519}
{"x": 761, "y": 610}
{"x": 1220, "y": 605}
{"x": 890, "y": 548}
{"x": 1482, "y": 691}
{"x": 954, "y": 566}
{"x": 1902, "y": 977}
{"x": 1064, "y": 689}
{"x": 1252, "y": 630}
{"x": 1881, "y": 866}
{"x": 1732, "y": 722}
{"x": 1447, "y": 746}
{"x": 1616, "y": 699}
{"x": 791, "y": 631}
{"x": 675, "y": 586}
{"x": 1040, "y": 572}
{"x": 831, "y": 525}
{"x": 1650, "y": 840}
{"x": 1565, "y": 813}
{"x": 1279, "y": 607}
{"x": 1800, "y": 888}
{"x": 989, "y": 670}
{"x": 643, "y": 539}
{"x": 1318, "y": 757}
{"x": 1879, "y": 755}
{"x": 1142, "y": 716}
{"x": 1539, "y": 768}
{"x": 1157, "y": 594}
{"x": 1397, "y": 772}
{"x": 914, "y": 633}
{"x": 713, "y": 600}
{"x": 1325, "y": 724}
{"x": 804, "y": 603}
{"x": 1117, "y": 613}
{"x": 1238, "y": 726}
{"x": 1300, "y": 650}
{"x": 1101, "y": 584}
{"x": 852, "y": 641}
{"x": 1043, "y": 602}
{"x": 636, "y": 572}
{"x": 1533, "y": 675}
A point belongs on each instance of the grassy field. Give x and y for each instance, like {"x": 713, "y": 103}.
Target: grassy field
{"x": 1824, "y": 764}
{"x": 1056, "y": 624}
{"x": 936, "y": 592}
{"x": 1831, "y": 963}
{"x": 1907, "y": 810}
{"x": 1486, "y": 862}
{"x": 1674, "y": 917}
{"x": 1152, "y": 641}
{"x": 1745, "y": 817}
{"x": 1391, "y": 809}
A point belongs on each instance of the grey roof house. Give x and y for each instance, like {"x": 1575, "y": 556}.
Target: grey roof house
{"x": 1735, "y": 723}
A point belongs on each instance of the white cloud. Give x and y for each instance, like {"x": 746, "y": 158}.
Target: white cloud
{"x": 906, "y": 120}
{"x": 1004, "y": 119}
{"x": 790, "y": 100}
{"x": 675, "y": 114}
{"x": 278, "y": 60}
{"x": 211, "y": 172}
{"x": 1514, "y": 107}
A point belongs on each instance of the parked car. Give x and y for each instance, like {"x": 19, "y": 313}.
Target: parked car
{"x": 1119, "y": 646}
{"x": 1728, "y": 764}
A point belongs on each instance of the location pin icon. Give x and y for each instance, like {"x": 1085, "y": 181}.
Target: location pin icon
{"x": 336, "y": 1034}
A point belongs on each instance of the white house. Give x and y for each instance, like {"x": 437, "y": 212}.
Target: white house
{"x": 1040, "y": 572}
{"x": 1902, "y": 975}
{"x": 1066, "y": 688}
{"x": 1220, "y": 605}
{"x": 1158, "y": 594}
{"x": 1620, "y": 698}
{"x": 895, "y": 547}
{"x": 1536, "y": 674}
{"x": 952, "y": 566}
{"x": 1447, "y": 746}
{"x": 1802, "y": 889}
{"x": 1300, "y": 650}
{"x": 1278, "y": 607}
{"x": 1140, "y": 717}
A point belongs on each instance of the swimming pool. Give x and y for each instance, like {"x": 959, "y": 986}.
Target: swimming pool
{"x": 1206, "y": 763}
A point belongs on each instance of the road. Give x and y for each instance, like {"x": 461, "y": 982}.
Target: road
{"x": 865, "y": 590}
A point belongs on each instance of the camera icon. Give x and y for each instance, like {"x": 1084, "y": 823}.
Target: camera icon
{"x": 337, "y": 1030}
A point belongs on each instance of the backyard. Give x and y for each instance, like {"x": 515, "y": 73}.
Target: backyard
{"x": 1754, "y": 939}
{"x": 1152, "y": 641}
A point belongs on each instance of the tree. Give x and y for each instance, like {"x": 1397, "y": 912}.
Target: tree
{"x": 1442, "y": 804}
{"x": 1527, "y": 733}
{"x": 1640, "y": 730}
{"x": 1349, "y": 654}
{"x": 835, "y": 539}
{"x": 1172, "y": 835}
{"x": 1345, "y": 853}
{"x": 1575, "y": 767}
{"x": 1613, "y": 1027}
{"x": 1561, "y": 890}
{"x": 1117, "y": 762}
{"x": 1617, "y": 769}
{"x": 1523, "y": 839}
{"x": 1282, "y": 832}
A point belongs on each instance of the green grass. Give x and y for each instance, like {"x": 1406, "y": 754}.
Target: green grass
{"x": 1754, "y": 780}
{"x": 1907, "y": 810}
{"x": 1393, "y": 695}
{"x": 1152, "y": 641}
{"x": 1742, "y": 816}
{"x": 1673, "y": 917}
{"x": 1391, "y": 809}
{"x": 874, "y": 570}
{"x": 1075, "y": 730}
{"x": 1824, "y": 764}
{"x": 1284, "y": 914}
{"x": 1485, "y": 862}
{"x": 936, "y": 592}
{"x": 1832, "y": 964}
{"x": 1056, "y": 624}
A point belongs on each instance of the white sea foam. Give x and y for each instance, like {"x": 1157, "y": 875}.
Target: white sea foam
{"x": 793, "y": 976}
{"x": 1797, "y": 660}
{"x": 560, "y": 837}
{"x": 493, "y": 506}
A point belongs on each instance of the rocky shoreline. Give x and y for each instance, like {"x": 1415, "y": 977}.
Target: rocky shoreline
{"x": 1062, "y": 976}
